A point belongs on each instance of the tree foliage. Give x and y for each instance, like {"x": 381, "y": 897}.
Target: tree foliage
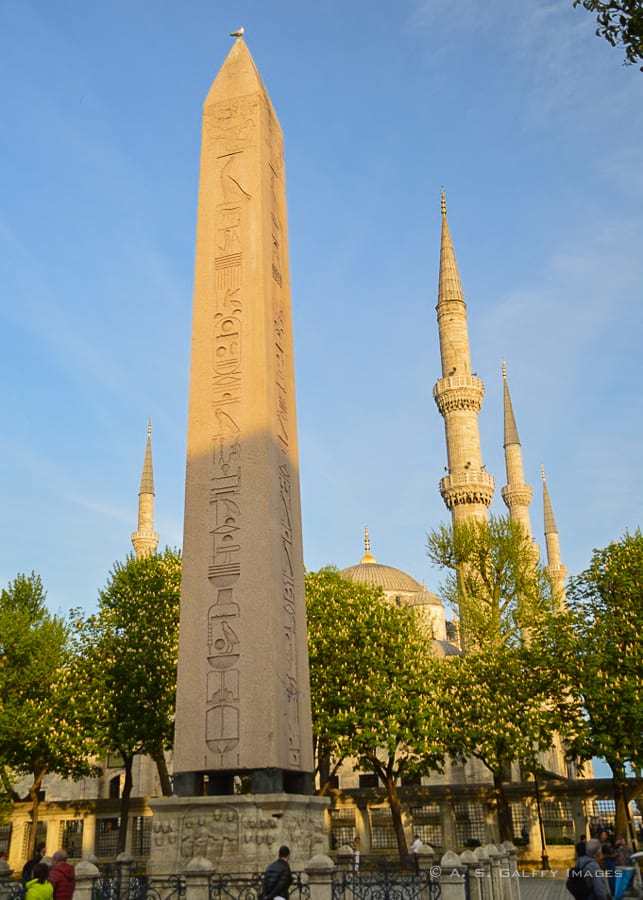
{"x": 493, "y": 581}
{"x": 130, "y": 650}
{"x": 508, "y": 700}
{"x": 620, "y": 22}
{"x": 604, "y": 657}
{"x": 46, "y": 716}
{"x": 373, "y": 684}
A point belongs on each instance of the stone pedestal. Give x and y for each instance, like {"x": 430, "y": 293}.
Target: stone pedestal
{"x": 240, "y": 833}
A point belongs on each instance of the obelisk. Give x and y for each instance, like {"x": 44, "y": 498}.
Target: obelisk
{"x": 243, "y": 739}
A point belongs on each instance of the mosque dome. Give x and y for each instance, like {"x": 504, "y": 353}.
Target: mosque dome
{"x": 391, "y": 580}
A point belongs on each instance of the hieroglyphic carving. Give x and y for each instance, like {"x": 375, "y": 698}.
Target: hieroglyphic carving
{"x": 222, "y": 725}
{"x": 230, "y": 125}
{"x": 282, "y": 404}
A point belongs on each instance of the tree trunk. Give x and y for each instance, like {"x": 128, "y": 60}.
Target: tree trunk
{"x": 505, "y": 824}
{"x": 34, "y": 796}
{"x": 396, "y": 815}
{"x": 164, "y": 776}
{"x": 619, "y": 781}
{"x": 128, "y": 761}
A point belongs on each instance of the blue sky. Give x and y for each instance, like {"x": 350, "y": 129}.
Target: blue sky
{"x": 530, "y": 122}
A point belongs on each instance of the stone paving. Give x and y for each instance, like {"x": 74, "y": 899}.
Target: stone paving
{"x": 545, "y": 888}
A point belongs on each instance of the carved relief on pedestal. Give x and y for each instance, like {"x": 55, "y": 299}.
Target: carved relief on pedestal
{"x": 258, "y": 830}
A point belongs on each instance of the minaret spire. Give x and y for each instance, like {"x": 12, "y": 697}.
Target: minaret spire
{"x": 557, "y": 571}
{"x": 516, "y": 493}
{"x": 145, "y": 539}
{"x": 368, "y": 557}
{"x": 468, "y": 488}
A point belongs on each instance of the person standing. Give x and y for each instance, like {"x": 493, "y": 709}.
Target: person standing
{"x": 62, "y": 876}
{"x": 589, "y": 867}
{"x": 39, "y": 887}
{"x": 277, "y": 878}
{"x": 27, "y": 869}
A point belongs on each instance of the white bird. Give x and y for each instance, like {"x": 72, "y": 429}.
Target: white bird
{"x": 238, "y": 33}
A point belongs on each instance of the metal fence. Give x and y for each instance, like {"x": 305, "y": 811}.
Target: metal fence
{"x": 386, "y": 884}
{"x": 250, "y": 887}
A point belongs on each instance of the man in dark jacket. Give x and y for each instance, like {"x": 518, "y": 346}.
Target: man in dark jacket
{"x": 277, "y": 878}
{"x": 27, "y": 869}
{"x": 62, "y": 876}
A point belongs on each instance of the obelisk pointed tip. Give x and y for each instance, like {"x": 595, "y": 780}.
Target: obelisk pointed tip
{"x": 238, "y": 76}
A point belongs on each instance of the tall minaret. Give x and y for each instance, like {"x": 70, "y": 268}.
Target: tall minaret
{"x": 516, "y": 493}
{"x": 145, "y": 539}
{"x": 467, "y": 489}
{"x": 557, "y": 571}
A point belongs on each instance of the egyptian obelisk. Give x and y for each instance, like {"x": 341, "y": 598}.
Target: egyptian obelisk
{"x": 243, "y": 703}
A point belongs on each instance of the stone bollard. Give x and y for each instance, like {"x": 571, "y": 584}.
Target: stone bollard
{"x": 496, "y": 876}
{"x": 86, "y": 874}
{"x": 6, "y": 882}
{"x": 452, "y": 877}
{"x": 424, "y": 858}
{"x": 320, "y": 869}
{"x": 197, "y": 878}
{"x": 512, "y": 863}
{"x": 344, "y": 858}
{"x": 124, "y": 870}
{"x": 484, "y": 865}
{"x": 469, "y": 860}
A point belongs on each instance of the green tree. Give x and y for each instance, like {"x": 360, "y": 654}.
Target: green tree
{"x": 620, "y": 22}
{"x": 130, "y": 650}
{"x": 604, "y": 656}
{"x": 373, "y": 685}
{"x": 493, "y": 582}
{"x": 46, "y": 716}
{"x": 508, "y": 699}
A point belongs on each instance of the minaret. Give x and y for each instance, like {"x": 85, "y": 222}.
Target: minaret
{"x": 145, "y": 539}
{"x": 368, "y": 557}
{"x": 557, "y": 571}
{"x": 467, "y": 489}
{"x": 516, "y": 493}
{"x": 243, "y": 690}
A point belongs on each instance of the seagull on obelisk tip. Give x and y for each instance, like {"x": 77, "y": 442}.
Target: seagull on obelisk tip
{"x": 238, "y": 33}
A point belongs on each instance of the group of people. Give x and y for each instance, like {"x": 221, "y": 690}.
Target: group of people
{"x": 48, "y": 880}
{"x": 603, "y": 860}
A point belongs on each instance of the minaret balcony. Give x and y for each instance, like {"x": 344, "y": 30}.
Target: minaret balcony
{"x": 517, "y": 495}
{"x": 459, "y": 392}
{"x": 472, "y": 486}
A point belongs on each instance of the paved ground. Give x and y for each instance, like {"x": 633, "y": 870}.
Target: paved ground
{"x": 543, "y": 889}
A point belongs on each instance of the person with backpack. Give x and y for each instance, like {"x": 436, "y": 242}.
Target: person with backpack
{"x": 586, "y": 880}
{"x": 39, "y": 887}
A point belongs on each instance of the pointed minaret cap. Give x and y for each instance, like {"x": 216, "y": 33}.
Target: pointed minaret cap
{"x": 147, "y": 475}
{"x": 550, "y": 521}
{"x": 449, "y": 285}
{"x": 511, "y": 430}
{"x": 368, "y": 558}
